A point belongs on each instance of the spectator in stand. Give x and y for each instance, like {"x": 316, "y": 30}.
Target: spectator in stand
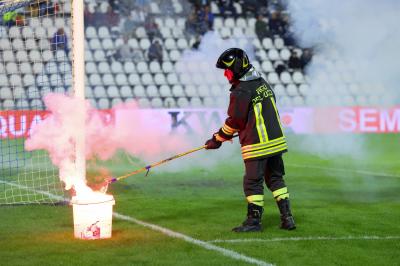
{"x": 130, "y": 24}
{"x": 155, "y": 52}
{"x": 151, "y": 27}
{"x": 207, "y": 16}
{"x": 196, "y": 44}
{"x": 59, "y": 41}
{"x": 111, "y": 18}
{"x": 306, "y": 57}
{"x": 191, "y": 24}
{"x": 113, "y": 4}
{"x": 226, "y": 5}
{"x": 125, "y": 52}
{"x": 262, "y": 28}
{"x": 276, "y": 25}
{"x": 279, "y": 67}
{"x": 89, "y": 17}
{"x": 294, "y": 61}
{"x": 126, "y": 6}
{"x": 9, "y": 18}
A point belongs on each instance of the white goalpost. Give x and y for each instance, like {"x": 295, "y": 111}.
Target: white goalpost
{"x": 41, "y": 51}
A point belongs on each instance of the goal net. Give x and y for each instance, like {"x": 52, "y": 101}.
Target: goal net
{"x": 35, "y": 59}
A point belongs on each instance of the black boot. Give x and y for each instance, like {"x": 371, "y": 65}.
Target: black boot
{"x": 287, "y": 221}
{"x": 253, "y": 221}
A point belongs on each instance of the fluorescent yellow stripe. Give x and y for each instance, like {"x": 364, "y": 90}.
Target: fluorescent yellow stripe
{"x": 263, "y": 145}
{"x": 260, "y": 153}
{"x": 228, "y": 129}
{"x": 256, "y": 199}
{"x": 262, "y": 131}
{"x": 280, "y": 191}
{"x": 277, "y": 115}
{"x": 219, "y": 138}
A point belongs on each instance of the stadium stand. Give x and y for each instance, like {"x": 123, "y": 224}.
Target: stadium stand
{"x": 158, "y": 84}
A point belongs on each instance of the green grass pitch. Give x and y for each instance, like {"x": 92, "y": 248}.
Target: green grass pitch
{"x": 340, "y": 203}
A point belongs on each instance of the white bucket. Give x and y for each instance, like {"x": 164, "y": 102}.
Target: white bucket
{"x": 93, "y": 219}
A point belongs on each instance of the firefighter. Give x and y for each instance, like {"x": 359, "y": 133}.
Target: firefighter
{"x": 252, "y": 113}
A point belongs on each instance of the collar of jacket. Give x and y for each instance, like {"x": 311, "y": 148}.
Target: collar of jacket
{"x": 252, "y": 74}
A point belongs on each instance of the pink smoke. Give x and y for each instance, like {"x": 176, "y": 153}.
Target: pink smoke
{"x": 58, "y": 132}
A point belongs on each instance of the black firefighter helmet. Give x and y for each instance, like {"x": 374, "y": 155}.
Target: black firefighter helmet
{"x": 236, "y": 60}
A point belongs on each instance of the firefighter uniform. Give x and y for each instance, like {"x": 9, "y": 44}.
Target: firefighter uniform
{"x": 252, "y": 113}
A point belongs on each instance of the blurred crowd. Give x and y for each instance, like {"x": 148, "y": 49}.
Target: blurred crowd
{"x": 124, "y": 17}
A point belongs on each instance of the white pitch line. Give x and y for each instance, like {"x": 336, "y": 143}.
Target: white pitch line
{"x": 307, "y": 238}
{"x": 226, "y": 252}
{"x": 362, "y": 172}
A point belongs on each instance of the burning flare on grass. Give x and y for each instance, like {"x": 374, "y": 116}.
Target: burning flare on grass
{"x": 59, "y": 131}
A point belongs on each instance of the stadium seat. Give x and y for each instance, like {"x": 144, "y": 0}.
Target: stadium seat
{"x": 304, "y": 89}
{"x": 170, "y": 44}
{"x": 37, "y": 68}
{"x": 191, "y": 91}
{"x": 14, "y": 32}
{"x": 218, "y": 23}
{"x": 141, "y": 32}
{"x": 88, "y": 92}
{"x": 88, "y": 56}
{"x": 182, "y": 102}
{"x": 152, "y": 91}
{"x": 108, "y": 80}
{"x": 159, "y": 79}
{"x": 107, "y": 44}
{"x": 167, "y": 67}
{"x": 225, "y": 33}
{"x": 8, "y": 56}
{"x": 285, "y": 54}
{"x": 91, "y": 68}
{"x": 95, "y": 44}
{"x": 291, "y": 90}
{"x": 298, "y": 101}
{"x": 142, "y": 67}
{"x": 285, "y": 101}
{"x": 165, "y": 91}
{"x": 177, "y": 91}
{"x": 155, "y": 67}
{"x": 279, "y": 43}
{"x": 22, "y": 104}
{"x": 165, "y": 32}
{"x": 59, "y": 89}
{"x": 147, "y": 79}
{"x": 169, "y": 102}
{"x": 121, "y": 79}
{"x": 116, "y": 101}
{"x": 156, "y": 102}
{"x": 237, "y": 33}
{"x": 229, "y": 23}
{"x": 196, "y": 102}
{"x": 11, "y": 68}
{"x": 203, "y": 91}
{"x": 139, "y": 91}
{"x": 267, "y": 43}
{"x": 262, "y": 55}
{"x": 90, "y": 32}
{"x": 116, "y": 67}
{"x": 172, "y": 79}
{"x": 103, "y": 68}
{"x": 285, "y": 77}
{"x": 241, "y": 23}
{"x": 28, "y": 80}
{"x": 103, "y": 103}
{"x": 273, "y": 54}
{"x": 18, "y": 44}
{"x": 267, "y": 66}
{"x": 144, "y": 44}
{"x": 273, "y": 78}
{"x": 41, "y": 33}
{"x": 99, "y": 56}
{"x": 129, "y": 67}
{"x": 112, "y": 92}
{"x": 103, "y": 32}
{"x": 174, "y": 55}
{"x": 95, "y": 80}
{"x": 36, "y": 104}
{"x": 6, "y": 93}
{"x": 134, "y": 79}
{"x": 298, "y": 77}
{"x": 30, "y": 44}
{"x": 8, "y": 104}
{"x": 182, "y": 44}
{"x": 99, "y": 92}
{"x": 185, "y": 79}
{"x": 32, "y": 93}
{"x": 24, "y": 68}
{"x": 144, "y": 103}
{"x": 126, "y": 92}
{"x": 170, "y": 23}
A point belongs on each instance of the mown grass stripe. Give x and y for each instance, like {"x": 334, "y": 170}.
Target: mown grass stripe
{"x": 307, "y": 238}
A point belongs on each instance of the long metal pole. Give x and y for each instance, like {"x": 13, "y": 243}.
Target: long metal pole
{"x": 78, "y": 68}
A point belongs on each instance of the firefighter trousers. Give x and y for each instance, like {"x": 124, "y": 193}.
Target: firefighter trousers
{"x": 269, "y": 170}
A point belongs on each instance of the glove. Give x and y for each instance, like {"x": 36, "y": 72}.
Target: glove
{"x": 213, "y": 143}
